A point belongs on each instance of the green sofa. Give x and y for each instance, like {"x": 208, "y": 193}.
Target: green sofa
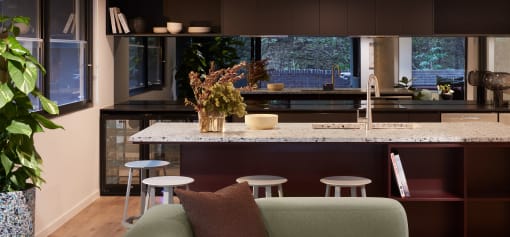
{"x": 295, "y": 217}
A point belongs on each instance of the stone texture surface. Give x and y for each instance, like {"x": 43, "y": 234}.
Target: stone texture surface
{"x": 303, "y": 132}
{"x": 17, "y": 213}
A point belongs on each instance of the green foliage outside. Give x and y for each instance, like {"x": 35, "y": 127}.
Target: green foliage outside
{"x": 290, "y": 53}
{"x": 434, "y": 53}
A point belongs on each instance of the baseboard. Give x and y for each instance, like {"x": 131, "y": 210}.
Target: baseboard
{"x": 53, "y": 226}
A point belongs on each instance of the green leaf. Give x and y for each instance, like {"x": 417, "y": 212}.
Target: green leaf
{"x": 19, "y": 128}
{"x": 16, "y": 47}
{"x": 24, "y": 80}
{"x": 6, "y": 94}
{"x": 48, "y": 105}
{"x": 6, "y": 163}
{"x": 45, "y": 122}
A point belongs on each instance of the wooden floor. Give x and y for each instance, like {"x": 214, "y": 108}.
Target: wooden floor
{"x": 101, "y": 218}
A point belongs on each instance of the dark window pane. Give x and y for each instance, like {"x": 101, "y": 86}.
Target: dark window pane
{"x": 303, "y": 62}
{"x": 67, "y": 72}
{"x": 137, "y": 57}
{"x": 439, "y": 60}
{"x": 155, "y": 56}
{"x": 28, "y": 8}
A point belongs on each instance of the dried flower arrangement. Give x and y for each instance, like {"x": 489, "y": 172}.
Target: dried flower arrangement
{"x": 215, "y": 95}
{"x": 257, "y": 71}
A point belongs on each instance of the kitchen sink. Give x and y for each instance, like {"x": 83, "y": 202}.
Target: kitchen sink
{"x": 363, "y": 125}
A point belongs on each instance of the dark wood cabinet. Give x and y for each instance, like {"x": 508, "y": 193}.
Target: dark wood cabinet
{"x": 361, "y": 17}
{"x": 333, "y": 17}
{"x": 471, "y": 17}
{"x": 276, "y": 17}
{"x": 404, "y": 17}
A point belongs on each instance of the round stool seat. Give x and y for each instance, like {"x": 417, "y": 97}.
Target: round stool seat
{"x": 144, "y": 164}
{"x": 262, "y": 180}
{"x": 346, "y": 181}
{"x": 266, "y": 181}
{"x": 162, "y": 181}
{"x": 167, "y": 183}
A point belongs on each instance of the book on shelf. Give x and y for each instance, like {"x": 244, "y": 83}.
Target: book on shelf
{"x": 112, "y": 19}
{"x": 69, "y": 24}
{"x": 116, "y": 12}
{"x": 123, "y": 22}
{"x": 400, "y": 176}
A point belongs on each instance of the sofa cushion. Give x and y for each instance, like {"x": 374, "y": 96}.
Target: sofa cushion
{"x": 230, "y": 211}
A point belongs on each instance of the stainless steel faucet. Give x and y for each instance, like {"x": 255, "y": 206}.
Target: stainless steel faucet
{"x": 371, "y": 79}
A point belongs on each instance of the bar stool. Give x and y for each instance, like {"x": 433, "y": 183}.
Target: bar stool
{"x": 267, "y": 181}
{"x": 346, "y": 182}
{"x": 168, "y": 183}
{"x": 143, "y": 165}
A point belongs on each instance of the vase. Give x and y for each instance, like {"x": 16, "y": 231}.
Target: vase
{"x": 17, "y": 213}
{"x": 211, "y": 123}
{"x": 446, "y": 96}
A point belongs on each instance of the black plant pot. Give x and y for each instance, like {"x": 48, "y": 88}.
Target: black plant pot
{"x": 447, "y": 96}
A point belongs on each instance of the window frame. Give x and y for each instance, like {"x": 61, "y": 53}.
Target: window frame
{"x": 88, "y": 57}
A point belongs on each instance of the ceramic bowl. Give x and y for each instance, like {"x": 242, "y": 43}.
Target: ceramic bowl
{"x": 174, "y": 27}
{"x": 159, "y": 30}
{"x": 198, "y": 29}
{"x": 275, "y": 86}
{"x": 261, "y": 121}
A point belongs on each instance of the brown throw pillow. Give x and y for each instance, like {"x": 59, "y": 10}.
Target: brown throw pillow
{"x": 230, "y": 211}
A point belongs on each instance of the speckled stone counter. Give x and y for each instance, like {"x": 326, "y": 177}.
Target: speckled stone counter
{"x": 303, "y": 132}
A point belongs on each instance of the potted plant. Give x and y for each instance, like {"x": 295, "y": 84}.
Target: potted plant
{"x": 216, "y": 97}
{"x": 20, "y": 164}
{"x": 445, "y": 91}
{"x": 256, "y": 71}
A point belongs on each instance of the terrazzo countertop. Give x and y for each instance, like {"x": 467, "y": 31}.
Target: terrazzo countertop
{"x": 303, "y": 132}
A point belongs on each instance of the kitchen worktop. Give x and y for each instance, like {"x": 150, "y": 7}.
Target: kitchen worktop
{"x": 303, "y": 132}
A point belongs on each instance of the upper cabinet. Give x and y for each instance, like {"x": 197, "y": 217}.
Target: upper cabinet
{"x": 276, "y": 17}
{"x": 333, "y": 17}
{"x": 404, "y": 17}
{"x": 361, "y": 17}
{"x": 472, "y": 17}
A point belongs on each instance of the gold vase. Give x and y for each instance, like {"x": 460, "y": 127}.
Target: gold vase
{"x": 211, "y": 123}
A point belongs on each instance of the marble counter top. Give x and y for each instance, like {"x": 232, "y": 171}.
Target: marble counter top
{"x": 303, "y": 132}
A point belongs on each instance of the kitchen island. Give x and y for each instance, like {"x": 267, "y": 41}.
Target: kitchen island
{"x": 457, "y": 172}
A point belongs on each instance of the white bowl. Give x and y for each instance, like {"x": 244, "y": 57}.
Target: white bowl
{"x": 174, "y": 27}
{"x": 198, "y": 29}
{"x": 159, "y": 30}
{"x": 261, "y": 121}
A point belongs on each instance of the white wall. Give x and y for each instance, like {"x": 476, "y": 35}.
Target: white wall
{"x": 405, "y": 58}
{"x": 71, "y": 156}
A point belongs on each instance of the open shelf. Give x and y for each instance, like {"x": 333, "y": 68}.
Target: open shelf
{"x": 433, "y": 172}
{"x": 487, "y": 172}
{"x": 438, "y": 219}
{"x": 488, "y": 218}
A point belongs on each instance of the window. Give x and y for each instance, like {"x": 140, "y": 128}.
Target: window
{"x": 439, "y": 60}
{"x": 304, "y": 62}
{"x": 63, "y": 47}
{"x": 145, "y": 64}
{"x": 67, "y": 81}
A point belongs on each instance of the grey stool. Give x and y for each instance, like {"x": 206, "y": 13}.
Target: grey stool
{"x": 352, "y": 182}
{"x": 142, "y": 165}
{"x": 266, "y": 181}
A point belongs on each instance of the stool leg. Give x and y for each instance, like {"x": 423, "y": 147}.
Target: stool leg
{"x": 363, "y": 191}
{"x": 128, "y": 191}
{"x": 353, "y": 192}
{"x": 268, "y": 191}
{"x": 167, "y": 194}
{"x": 255, "y": 191}
{"x": 280, "y": 190}
{"x": 143, "y": 191}
{"x": 337, "y": 191}
{"x": 327, "y": 190}
{"x": 147, "y": 198}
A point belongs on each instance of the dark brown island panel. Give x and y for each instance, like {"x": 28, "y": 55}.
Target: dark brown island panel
{"x": 457, "y": 189}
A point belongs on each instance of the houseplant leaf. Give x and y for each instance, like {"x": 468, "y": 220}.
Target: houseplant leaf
{"x": 19, "y": 128}
{"x": 6, "y": 94}
{"x": 6, "y": 163}
{"x": 45, "y": 122}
